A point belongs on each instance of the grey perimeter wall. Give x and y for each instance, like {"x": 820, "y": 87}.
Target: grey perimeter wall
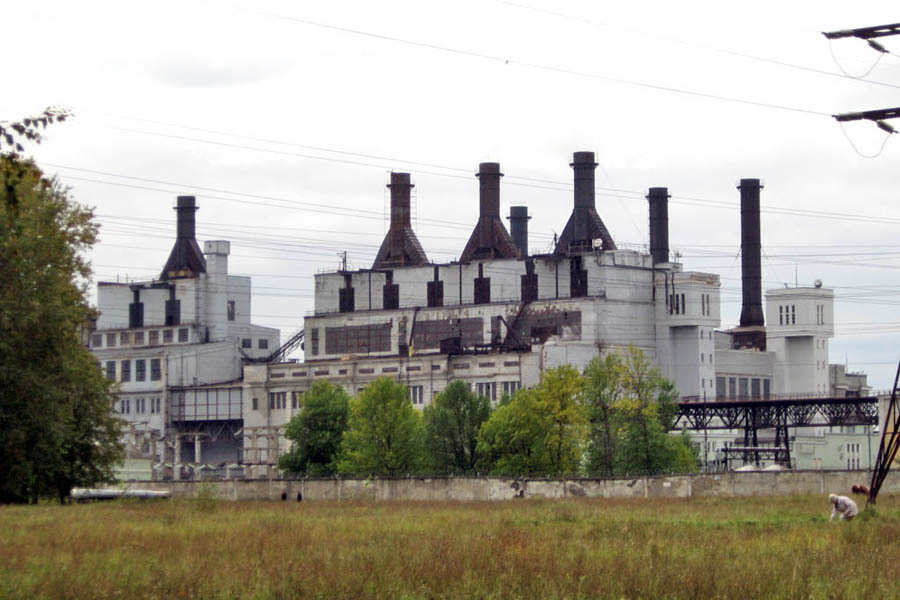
{"x": 479, "y": 489}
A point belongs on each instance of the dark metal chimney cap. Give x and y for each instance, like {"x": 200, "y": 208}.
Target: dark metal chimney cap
{"x": 518, "y": 212}
{"x": 187, "y": 202}
{"x": 400, "y": 179}
{"x": 583, "y": 158}
{"x": 657, "y": 192}
{"x": 751, "y": 183}
{"x": 488, "y": 168}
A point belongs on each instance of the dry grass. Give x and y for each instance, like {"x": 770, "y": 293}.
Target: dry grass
{"x": 702, "y": 548}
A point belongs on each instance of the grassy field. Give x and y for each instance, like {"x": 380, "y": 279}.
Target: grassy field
{"x": 700, "y": 548}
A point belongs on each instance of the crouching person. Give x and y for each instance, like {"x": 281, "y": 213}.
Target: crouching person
{"x": 843, "y": 506}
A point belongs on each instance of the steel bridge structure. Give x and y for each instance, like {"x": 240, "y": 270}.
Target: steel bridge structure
{"x": 775, "y": 412}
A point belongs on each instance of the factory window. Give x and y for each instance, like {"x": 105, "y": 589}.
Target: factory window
{"x": 124, "y": 338}
{"x": 743, "y": 387}
{"x": 295, "y": 399}
{"x": 732, "y": 387}
{"x": 154, "y": 338}
{"x": 183, "y": 334}
{"x": 487, "y": 389}
{"x": 140, "y": 370}
{"x": 767, "y": 388}
{"x": 97, "y": 340}
{"x": 417, "y": 394}
{"x": 277, "y": 400}
{"x": 754, "y": 387}
{"x": 168, "y": 336}
{"x": 781, "y": 315}
{"x": 110, "y": 339}
{"x": 155, "y": 369}
{"x": 255, "y": 404}
{"x": 710, "y": 359}
{"x": 702, "y": 358}
{"x": 315, "y": 342}
{"x": 138, "y": 338}
{"x": 126, "y": 370}
{"x": 154, "y": 406}
{"x": 230, "y": 310}
{"x": 720, "y": 387}
{"x": 511, "y": 387}
{"x": 111, "y": 370}
{"x": 263, "y": 344}
{"x": 793, "y": 314}
{"x": 138, "y": 406}
{"x": 125, "y": 406}
{"x": 683, "y": 305}
{"x": 246, "y": 343}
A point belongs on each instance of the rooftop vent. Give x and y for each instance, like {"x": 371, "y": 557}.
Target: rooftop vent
{"x": 584, "y": 225}
{"x": 400, "y": 247}
{"x": 490, "y": 238}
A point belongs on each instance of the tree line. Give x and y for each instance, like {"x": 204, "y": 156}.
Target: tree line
{"x": 610, "y": 420}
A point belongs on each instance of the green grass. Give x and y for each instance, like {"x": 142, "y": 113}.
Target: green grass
{"x": 700, "y": 548}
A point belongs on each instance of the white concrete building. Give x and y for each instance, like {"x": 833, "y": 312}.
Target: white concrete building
{"x": 499, "y": 317}
{"x": 176, "y": 345}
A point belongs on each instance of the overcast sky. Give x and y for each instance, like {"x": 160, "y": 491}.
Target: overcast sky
{"x": 286, "y": 118}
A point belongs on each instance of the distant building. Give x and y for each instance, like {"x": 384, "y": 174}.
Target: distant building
{"x": 176, "y": 346}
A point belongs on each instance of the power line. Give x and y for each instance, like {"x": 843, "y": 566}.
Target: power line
{"x": 673, "y": 40}
{"x": 512, "y": 61}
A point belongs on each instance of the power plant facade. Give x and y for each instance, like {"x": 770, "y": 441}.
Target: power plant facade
{"x": 496, "y": 318}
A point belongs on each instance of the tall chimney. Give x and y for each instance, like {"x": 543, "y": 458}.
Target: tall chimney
{"x": 490, "y": 238}
{"x": 584, "y": 225}
{"x": 518, "y": 228}
{"x": 400, "y": 247}
{"x": 185, "y": 259}
{"x": 659, "y": 224}
{"x": 751, "y": 271}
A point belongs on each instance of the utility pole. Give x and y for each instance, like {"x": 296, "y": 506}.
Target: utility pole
{"x": 868, "y": 34}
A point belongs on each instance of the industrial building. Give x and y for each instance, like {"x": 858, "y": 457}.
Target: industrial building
{"x": 206, "y": 393}
{"x": 176, "y": 346}
{"x": 499, "y": 316}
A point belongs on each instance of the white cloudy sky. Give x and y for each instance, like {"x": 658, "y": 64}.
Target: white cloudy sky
{"x": 285, "y": 118}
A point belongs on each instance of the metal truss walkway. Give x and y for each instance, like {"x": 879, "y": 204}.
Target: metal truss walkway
{"x": 778, "y": 413}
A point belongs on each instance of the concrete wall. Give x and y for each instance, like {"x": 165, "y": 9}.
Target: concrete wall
{"x": 724, "y": 485}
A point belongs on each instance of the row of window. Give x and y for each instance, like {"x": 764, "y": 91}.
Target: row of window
{"x": 140, "y": 406}
{"x": 140, "y": 369}
{"x": 262, "y": 343}
{"x": 136, "y": 338}
{"x": 279, "y": 400}
{"x": 743, "y": 387}
{"x": 787, "y": 314}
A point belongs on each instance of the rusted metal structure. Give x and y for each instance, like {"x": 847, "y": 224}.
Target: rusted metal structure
{"x": 584, "y": 224}
{"x": 400, "y": 247}
{"x": 890, "y": 443}
{"x": 778, "y": 413}
{"x": 490, "y": 239}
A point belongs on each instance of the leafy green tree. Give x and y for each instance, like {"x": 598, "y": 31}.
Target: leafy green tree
{"x": 452, "y": 422}
{"x": 513, "y": 441}
{"x": 540, "y": 431}
{"x": 57, "y": 428}
{"x": 385, "y": 435}
{"x": 645, "y": 413}
{"x": 316, "y": 431}
{"x": 603, "y": 386}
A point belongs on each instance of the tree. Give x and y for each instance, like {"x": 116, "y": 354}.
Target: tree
{"x": 540, "y": 431}
{"x": 57, "y": 428}
{"x": 603, "y": 386}
{"x": 645, "y": 413}
{"x": 316, "y": 431}
{"x": 452, "y": 422}
{"x": 385, "y": 434}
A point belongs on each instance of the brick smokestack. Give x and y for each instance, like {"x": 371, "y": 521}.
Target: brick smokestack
{"x": 186, "y": 258}
{"x": 489, "y": 239}
{"x": 751, "y": 270}
{"x": 659, "y": 224}
{"x": 400, "y": 246}
{"x": 584, "y": 225}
